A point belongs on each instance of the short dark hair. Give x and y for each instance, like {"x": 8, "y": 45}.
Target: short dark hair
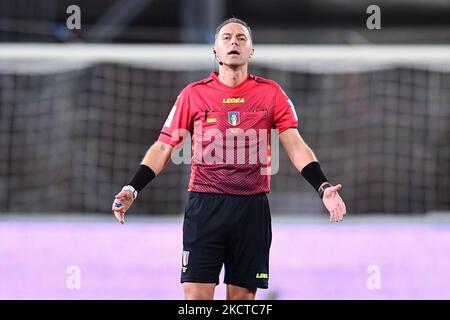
{"x": 234, "y": 20}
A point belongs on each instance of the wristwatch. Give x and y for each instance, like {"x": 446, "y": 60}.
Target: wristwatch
{"x": 322, "y": 188}
{"x": 132, "y": 189}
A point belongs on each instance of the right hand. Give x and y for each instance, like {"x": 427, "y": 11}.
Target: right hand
{"x": 121, "y": 204}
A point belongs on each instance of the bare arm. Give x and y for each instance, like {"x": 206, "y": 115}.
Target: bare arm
{"x": 298, "y": 151}
{"x": 156, "y": 158}
{"x": 300, "y": 155}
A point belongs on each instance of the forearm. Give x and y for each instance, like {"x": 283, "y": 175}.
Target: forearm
{"x": 157, "y": 156}
{"x": 303, "y": 158}
{"x": 298, "y": 151}
{"x": 306, "y": 162}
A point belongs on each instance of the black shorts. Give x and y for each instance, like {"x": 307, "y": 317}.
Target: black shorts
{"x": 229, "y": 230}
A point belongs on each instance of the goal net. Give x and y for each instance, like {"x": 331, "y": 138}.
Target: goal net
{"x": 76, "y": 120}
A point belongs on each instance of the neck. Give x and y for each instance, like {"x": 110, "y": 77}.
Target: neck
{"x": 232, "y": 76}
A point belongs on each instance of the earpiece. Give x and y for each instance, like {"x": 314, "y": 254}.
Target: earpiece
{"x": 215, "y": 54}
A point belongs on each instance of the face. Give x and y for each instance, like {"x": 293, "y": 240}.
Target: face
{"x": 233, "y": 45}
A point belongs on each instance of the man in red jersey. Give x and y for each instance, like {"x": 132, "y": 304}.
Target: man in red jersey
{"x": 227, "y": 219}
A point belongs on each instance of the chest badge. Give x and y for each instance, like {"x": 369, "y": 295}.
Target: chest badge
{"x": 234, "y": 118}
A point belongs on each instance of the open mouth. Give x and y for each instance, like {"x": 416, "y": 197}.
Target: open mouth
{"x": 233, "y": 52}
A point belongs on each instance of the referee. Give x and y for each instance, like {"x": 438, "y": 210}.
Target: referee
{"x": 227, "y": 218}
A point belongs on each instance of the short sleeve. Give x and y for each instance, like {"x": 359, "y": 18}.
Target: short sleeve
{"x": 285, "y": 116}
{"x": 178, "y": 123}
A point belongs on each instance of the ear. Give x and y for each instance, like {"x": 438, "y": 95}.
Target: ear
{"x": 214, "y": 50}
{"x": 253, "y": 52}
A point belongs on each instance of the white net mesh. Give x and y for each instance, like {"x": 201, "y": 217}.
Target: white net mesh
{"x": 75, "y": 121}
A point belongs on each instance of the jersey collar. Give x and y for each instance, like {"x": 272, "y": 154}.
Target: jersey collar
{"x": 215, "y": 77}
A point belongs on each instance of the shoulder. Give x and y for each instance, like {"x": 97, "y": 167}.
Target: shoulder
{"x": 188, "y": 92}
{"x": 266, "y": 82}
{"x": 197, "y": 84}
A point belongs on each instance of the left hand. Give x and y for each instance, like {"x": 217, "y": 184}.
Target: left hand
{"x": 334, "y": 203}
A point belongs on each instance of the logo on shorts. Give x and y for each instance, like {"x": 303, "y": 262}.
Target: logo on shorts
{"x": 262, "y": 276}
{"x": 233, "y": 118}
{"x": 185, "y": 260}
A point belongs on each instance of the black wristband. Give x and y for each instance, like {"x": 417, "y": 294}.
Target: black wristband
{"x": 314, "y": 175}
{"x": 142, "y": 177}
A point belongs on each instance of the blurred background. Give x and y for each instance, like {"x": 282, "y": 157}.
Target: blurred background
{"x": 195, "y": 21}
{"x": 82, "y": 98}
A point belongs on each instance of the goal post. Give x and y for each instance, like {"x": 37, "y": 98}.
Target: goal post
{"x": 76, "y": 119}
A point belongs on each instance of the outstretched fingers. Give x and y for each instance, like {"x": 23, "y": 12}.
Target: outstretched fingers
{"x": 120, "y": 216}
{"x": 344, "y": 208}
{"x": 337, "y": 214}
{"x": 333, "y": 215}
{"x": 119, "y": 208}
{"x": 341, "y": 211}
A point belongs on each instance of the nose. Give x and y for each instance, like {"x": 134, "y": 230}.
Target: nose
{"x": 234, "y": 41}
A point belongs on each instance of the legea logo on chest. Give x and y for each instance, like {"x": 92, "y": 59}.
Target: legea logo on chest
{"x": 233, "y": 100}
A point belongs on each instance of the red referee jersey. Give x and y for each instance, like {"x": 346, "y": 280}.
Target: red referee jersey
{"x": 230, "y": 130}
